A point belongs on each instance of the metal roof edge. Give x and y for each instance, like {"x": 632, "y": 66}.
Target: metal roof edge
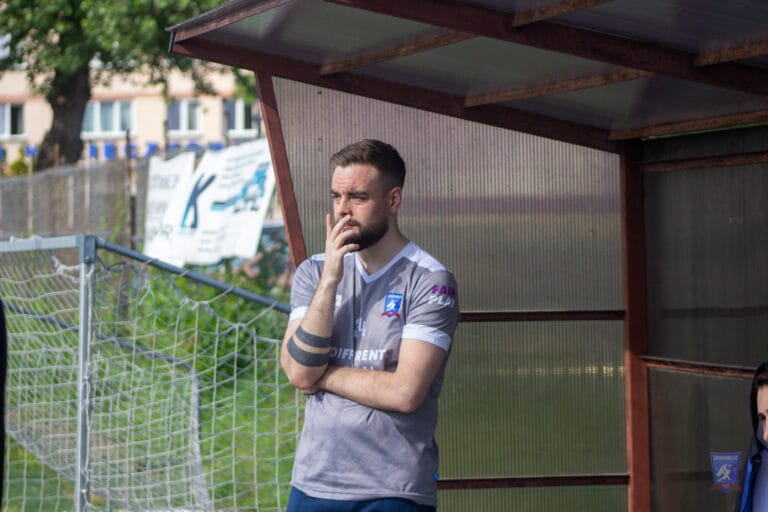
{"x": 232, "y": 5}
{"x": 226, "y": 14}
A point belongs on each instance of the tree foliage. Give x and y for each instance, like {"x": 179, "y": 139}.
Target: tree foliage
{"x": 245, "y": 86}
{"x": 64, "y": 45}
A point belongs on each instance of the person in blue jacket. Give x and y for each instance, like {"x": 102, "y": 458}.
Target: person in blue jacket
{"x": 754, "y": 479}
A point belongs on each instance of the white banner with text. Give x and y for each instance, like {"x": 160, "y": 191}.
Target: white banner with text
{"x": 213, "y": 212}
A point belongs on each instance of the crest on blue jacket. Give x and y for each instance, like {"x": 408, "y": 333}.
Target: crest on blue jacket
{"x": 725, "y": 471}
{"x": 392, "y": 304}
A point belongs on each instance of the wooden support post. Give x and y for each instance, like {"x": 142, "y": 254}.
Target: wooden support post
{"x": 635, "y": 334}
{"x": 282, "y": 169}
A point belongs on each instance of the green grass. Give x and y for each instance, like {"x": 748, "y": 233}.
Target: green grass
{"x": 248, "y": 413}
{"x": 245, "y": 442}
{"x": 30, "y": 485}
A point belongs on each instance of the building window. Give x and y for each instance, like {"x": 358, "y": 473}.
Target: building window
{"x": 184, "y": 116}
{"x": 241, "y": 119}
{"x": 107, "y": 119}
{"x": 11, "y": 120}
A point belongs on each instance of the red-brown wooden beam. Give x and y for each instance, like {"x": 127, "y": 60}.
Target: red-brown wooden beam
{"x": 446, "y": 484}
{"x": 561, "y": 87}
{"x": 697, "y": 368}
{"x": 550, "y": 11}
{"x": 635, "y": 335}
{"x": 707, "y": 162}
{"x": 746, "y": 51}
{"x": 571, "y": 40}
{"x": 519, "y": 19}
{"x": 410, "y": 96}
{"x": 538, "y": 316}
{"x": 716, "y": 312}
{"x": 284, "y": 181}
{"x": 403, "y": 50}
{"x": 693, "y": 125}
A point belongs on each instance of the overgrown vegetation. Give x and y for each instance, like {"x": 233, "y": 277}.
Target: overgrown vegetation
{"x": 248, "y": 413}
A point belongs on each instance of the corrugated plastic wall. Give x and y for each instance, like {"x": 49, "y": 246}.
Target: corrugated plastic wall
{"x": 526, "y": 224}
{"x": 707, "y": 247}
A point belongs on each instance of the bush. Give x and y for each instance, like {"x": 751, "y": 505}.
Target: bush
{"x": 19, "y": 167}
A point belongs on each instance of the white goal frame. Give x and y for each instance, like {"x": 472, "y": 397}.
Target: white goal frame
{"x": 88, "y": 247}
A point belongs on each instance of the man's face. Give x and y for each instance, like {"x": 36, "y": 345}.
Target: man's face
{"x": 357, "y": 192}
{"x": 762, "y": 410}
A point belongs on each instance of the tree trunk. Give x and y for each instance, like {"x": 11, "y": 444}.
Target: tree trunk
{"x": 68, "y": 97}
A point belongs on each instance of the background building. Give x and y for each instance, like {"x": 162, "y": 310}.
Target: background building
{"x": 127, "y": 112}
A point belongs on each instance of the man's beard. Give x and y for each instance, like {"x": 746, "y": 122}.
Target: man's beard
{"x": 370, "y": 234}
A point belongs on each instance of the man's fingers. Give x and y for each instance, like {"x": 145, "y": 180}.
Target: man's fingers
{"x": 337, "y": 237}
{"x": 349, "y": 248}
{"x": 339, "y": 225}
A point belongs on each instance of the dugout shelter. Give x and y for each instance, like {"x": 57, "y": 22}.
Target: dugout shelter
{"x": 594, "y": 172}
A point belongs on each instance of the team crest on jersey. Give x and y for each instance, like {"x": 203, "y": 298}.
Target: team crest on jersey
{"x": 392, "y": 304}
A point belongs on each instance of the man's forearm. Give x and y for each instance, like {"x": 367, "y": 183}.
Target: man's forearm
{"x": 306, "y": 348}
{"x": 305, "y": 361}
{"x": 403, "y": 390}
{"x": 319, "y": 317}
{"x": 374, "y": 388}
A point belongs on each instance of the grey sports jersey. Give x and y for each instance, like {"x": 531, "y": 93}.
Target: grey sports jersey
{"x": 348, "y": 451}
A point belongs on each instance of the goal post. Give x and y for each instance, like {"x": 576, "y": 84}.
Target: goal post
{"x": 136, "y": 385}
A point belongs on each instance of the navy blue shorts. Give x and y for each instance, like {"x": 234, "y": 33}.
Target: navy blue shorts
{"x": 300, "y": 502}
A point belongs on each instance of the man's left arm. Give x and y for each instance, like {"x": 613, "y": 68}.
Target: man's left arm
{"x": 400, "y": 391}
{"x": 426, "y": 339}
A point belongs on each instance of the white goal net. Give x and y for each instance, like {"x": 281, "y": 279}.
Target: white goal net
{"x": 130, "y": 387}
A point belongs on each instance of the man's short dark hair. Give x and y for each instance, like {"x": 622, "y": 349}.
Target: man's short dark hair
{"x": 381, "y": 155}
{"x": 761, "y": 379}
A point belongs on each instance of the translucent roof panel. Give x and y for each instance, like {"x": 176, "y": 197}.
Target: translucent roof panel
{"x": 572, "y": 71}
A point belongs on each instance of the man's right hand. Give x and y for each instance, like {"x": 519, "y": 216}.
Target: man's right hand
{"x": 336, "y": 247}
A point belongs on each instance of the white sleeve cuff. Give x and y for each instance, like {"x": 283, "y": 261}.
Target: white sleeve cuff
{"x": 298, "y": 314}
{"x": 428, "y": 334}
